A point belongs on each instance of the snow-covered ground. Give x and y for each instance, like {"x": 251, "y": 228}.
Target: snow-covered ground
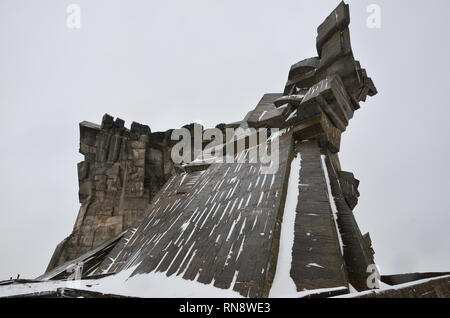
{"x": 153, "y": 285}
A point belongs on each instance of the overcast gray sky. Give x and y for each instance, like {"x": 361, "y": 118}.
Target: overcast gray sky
{"x": 167, "y": 63}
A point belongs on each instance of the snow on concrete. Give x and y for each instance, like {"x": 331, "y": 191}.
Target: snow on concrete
{"x": 306, "y": 293}
{"x": 314, "y": 265}
{"x": 153, "y": 285}
{"x": 262, "y": 115}
{"x": 385, "y": 287}
{"x": 30, "y": 288}
{"x": 283, "y": 285}
{"x": 158, "y": 285}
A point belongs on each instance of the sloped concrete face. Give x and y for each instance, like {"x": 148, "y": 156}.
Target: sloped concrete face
{"x": 222, "y": 230}
{"x": 358, "y": 252}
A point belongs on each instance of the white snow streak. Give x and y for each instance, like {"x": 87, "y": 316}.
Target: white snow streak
{"x": 283, "y": 283}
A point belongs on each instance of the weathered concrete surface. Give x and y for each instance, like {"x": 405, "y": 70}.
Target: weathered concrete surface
{"x": 428, "y": 288}
{"x": 317, "y": 257}
{"x": 122, "y": 170}
{"x": 90, "y": 260}
{"x": 220, "y": 223}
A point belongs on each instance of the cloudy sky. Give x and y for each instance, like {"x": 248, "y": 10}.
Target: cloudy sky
{"x": 168, "y": 63}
